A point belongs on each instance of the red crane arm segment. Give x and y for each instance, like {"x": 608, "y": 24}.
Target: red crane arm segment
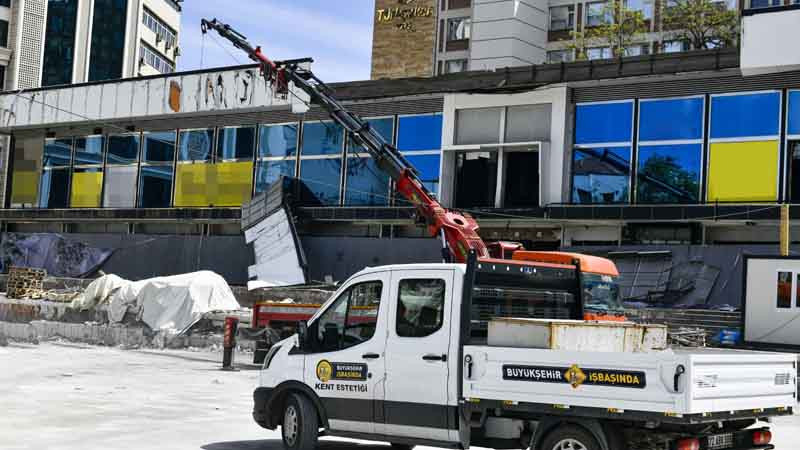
{"x": 459, "y": 231}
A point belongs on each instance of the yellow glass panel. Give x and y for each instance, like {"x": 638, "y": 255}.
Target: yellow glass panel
{"x": 24, "y": 187}
{"x": 743, "y": 171}
{"x": 87, "y": 188}
{"x": 192, "y": 185}
{"x": 233, "y": 183}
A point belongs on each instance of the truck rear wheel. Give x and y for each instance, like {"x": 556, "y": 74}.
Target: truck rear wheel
{"x": 300, "y": 428}
{"x": 569, "y": 437}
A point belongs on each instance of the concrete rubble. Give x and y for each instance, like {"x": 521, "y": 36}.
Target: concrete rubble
{"x": 41, "y": 320}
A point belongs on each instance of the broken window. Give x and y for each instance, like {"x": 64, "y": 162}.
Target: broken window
{"x": 476, "y": 179}
{"x": 521, "y": 182}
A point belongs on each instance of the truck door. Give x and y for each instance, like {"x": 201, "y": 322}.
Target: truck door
{"x": 417, "y": 355}
{"x": 345, "y": 365}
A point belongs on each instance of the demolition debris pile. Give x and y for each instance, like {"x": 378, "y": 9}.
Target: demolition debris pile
{"x": 113, "y": 311}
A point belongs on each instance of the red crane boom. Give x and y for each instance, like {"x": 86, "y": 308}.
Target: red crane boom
{"x": 459, "y": 231}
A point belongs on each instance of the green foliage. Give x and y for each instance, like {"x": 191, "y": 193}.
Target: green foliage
{"x": 623, "y": 28}
{"x": 703, "y": 23}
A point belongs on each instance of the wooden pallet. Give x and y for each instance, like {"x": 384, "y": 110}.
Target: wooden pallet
{"x": 25, "y": 282}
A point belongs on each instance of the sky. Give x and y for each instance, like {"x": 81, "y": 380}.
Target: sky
{"x": 337, "y": 34}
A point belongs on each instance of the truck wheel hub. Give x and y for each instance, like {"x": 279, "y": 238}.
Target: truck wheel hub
{"x": 569, "y": 444}
{"x": 290, "y": 425}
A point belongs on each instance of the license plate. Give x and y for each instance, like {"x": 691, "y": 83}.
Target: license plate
{"x": 720, "y": 441}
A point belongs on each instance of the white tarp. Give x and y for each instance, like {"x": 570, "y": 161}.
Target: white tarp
{"x": 164, "y": 303}
{"x": 276, "y": 254}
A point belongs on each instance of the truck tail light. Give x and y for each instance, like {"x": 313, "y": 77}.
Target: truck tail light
{"x": 688, "y": 444}
{"x": 762, "y": 437}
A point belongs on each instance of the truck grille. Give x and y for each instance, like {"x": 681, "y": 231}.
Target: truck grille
{"x": 490, "y": 303}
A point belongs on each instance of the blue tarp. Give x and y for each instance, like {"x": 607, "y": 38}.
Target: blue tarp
{"x": 60, "y": 256}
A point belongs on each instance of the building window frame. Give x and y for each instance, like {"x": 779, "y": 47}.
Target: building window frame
{"x": 155, "y": 59}
{"x": 569, "y": 53}
{"x": 160, "y": 28}
{"x": 570, "y": 18}
{"x": 502, "y": 148}
{"x": 451, "y": 62}
{"x": 590, "y": 17}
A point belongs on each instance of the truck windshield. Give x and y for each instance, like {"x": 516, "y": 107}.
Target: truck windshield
{"x": 601, "y": 293}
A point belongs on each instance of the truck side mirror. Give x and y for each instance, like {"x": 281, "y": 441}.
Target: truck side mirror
{"x": 302, "y": 334}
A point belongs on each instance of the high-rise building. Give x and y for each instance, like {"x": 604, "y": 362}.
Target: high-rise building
{"x": 53, "y": 42}
{"x": 492, "y": 34}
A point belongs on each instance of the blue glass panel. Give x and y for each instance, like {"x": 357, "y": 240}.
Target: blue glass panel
{"x": 384, "y": 127}
{"x": 745, "y": 115}
{"x": 57, "y": 152}
{"x": 601, "y": 175}
{"x": 278, "y": 140}
{"x": 108, "y": 39}
{"x": 420, "y": 132}
{"x": 54, "y": 188}
{"x": 671, "y": 119}
{"x": 59, "y": 42}
{"x": 426, "y": 165}
{"x": 196, "y": 145}
{"x": 322, "y": 138}
{"x": 236, "y": 143}
{"x": 320, "y": 178}
{"x": 606, "y": 122}
{"x": 367, "y": 185}
{"x": 268, "y": 172}
{"x": 155, "y": 186}
{"x": 159, "y": 146}
{"x": 669, "y": 173}
{"x": 794, "y": 113}
{"x": 89, "y": 150}
{"x": 123, "y": 149}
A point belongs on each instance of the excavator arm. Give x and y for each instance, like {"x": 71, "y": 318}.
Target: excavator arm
{"x": 459, "y": 231}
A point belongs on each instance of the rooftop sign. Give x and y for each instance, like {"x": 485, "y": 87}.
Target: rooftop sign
{"x": 177, "y": 94}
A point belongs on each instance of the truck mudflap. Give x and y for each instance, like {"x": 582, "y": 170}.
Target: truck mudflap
{"x": 262, "y": 397}
{"x": 475, "y": 408}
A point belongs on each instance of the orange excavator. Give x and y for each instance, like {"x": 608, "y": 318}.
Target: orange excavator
{"x": 597, "y": 289}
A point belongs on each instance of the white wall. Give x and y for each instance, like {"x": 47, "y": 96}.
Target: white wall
{"x": 764, "y": 321}
{"x": 590, "y": 233}
{"x": 508, "y": 33}
{"x": 769, "y": 42}
{"x": 552, "y": 158}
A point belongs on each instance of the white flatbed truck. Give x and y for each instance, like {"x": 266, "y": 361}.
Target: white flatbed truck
{"x": 399, "y": 354}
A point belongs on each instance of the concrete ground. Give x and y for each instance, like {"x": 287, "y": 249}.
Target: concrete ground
{"x": 71, "y": 397}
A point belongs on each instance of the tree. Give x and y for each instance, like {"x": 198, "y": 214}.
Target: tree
{"x": 622, "y": 28}
{"x": 702, "y": 23}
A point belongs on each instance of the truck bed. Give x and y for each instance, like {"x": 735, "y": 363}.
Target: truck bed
{"x": 710, "y": 382}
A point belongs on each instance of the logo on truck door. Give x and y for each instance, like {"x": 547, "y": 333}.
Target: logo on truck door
{"x": 575, "y": 376}
{"x": 343, "y": 371}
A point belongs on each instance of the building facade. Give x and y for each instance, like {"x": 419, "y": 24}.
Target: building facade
{"x": 671, "y": 151}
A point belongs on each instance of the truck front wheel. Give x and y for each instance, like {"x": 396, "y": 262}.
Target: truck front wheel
{"x": 569, "y": 437}
{"x": 300, "y": 428}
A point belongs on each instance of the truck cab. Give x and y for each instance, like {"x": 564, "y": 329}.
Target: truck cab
{"x": 379, "y": 355}
{"x": 400, "y": 354}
